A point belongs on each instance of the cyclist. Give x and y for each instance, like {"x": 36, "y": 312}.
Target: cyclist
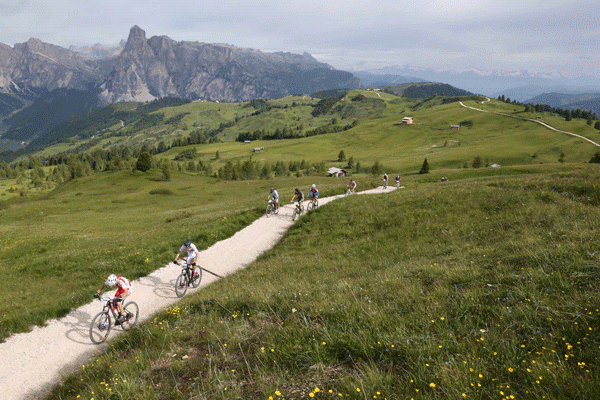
{"x": 398, "y": 180}
{"x": 192, "y": 254}
{"x": 313, "y": 193}
{"x": 273, "y": 195}
{"x": 352, "y": 186}
{"x": 123, "y": 290}
{"x": 298, "y": 196}
{"x": 385, "y": 180}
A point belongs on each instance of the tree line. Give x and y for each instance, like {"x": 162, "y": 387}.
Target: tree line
{"x": 568, "y": 115}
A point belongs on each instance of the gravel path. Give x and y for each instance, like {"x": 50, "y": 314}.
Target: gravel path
{"x": 32, "y": 363}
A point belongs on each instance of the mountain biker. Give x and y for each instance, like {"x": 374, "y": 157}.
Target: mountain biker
{"x": 192, "y": 254}
{"x": 352, "y": 185}
{"x": 299, "y": 196}
{"x": 273, "y": 195}
{"x": 398, "y": 180}
{"x": 313, "y": 193}
{"x": 385, "y": 180}
{"x": 123, "y": 290}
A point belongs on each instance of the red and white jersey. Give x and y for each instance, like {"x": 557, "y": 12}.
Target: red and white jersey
{"x": 123, "y": 283}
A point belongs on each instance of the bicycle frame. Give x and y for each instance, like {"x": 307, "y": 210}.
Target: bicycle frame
{"x": 111, "y": 305}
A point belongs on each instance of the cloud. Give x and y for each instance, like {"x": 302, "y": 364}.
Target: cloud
{"x": 12, "y": 8}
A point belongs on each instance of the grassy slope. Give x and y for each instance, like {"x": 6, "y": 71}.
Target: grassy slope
{"x": 482, "y": 288}
{"x": 402, "y": 148}
{"x": 492, "y": 137}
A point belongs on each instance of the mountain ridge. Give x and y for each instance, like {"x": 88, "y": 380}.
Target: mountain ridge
{"x": 147, "y": 69}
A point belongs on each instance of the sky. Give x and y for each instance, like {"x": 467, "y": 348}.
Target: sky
{"x": 546, "y": 36}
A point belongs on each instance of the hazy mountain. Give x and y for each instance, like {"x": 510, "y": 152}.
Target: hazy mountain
{"x": 518, "y": 85}
{"x": 98, "y": 51}
{"x": 369, "y": 79}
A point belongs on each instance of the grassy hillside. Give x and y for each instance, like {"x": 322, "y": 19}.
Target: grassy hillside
{"x": 375, "y": 120}
{"x": 402, "y": 148}
{"x": 479, "y": 288}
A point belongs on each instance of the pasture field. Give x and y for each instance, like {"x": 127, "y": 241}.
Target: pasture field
{"x": 495, "y": 139}
{"x": 483, "y": 287}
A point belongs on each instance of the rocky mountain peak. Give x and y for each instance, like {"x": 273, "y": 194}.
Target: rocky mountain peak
{"x": 142, "y": 69}
{"x": 136, "y": 35}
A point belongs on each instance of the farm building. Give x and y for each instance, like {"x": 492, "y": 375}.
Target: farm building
{"x": 407, "y": 120}
{"x": 337, "y": 172}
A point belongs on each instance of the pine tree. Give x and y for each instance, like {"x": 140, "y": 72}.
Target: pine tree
{"x": 144, "y": 162}
{"x": 424, "y": 167}
{"x": 342, "y": 156}
{"x": 351, "y": 162}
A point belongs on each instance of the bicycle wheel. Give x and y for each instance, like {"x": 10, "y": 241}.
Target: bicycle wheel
{"x": 181, "y": 285}
{"x": 196, "y": 280}
{"x": 316, "y": 203}
{"x": 294, "y": 213}
{"x": 100, "y": 327}
{"x": 310, "y": 206}
{"x": 132, "y": 312}
{"x": 269, "y": 210}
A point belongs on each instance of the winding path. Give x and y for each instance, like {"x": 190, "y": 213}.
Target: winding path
{"x": 32, "y": 363}
{"x": 532, "y": 120}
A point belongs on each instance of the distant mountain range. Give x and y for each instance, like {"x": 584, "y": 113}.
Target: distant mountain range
{"x": 518, "y": 85}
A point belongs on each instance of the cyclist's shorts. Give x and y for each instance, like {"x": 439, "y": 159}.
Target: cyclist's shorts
{"x": 120, "y": 292}
{"x": 192, "y": 260}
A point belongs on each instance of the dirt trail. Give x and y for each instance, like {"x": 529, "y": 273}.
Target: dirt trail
{"x": 32, "y": 363}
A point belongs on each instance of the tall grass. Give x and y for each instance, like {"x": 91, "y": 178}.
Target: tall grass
{"x": 480, "y": 289}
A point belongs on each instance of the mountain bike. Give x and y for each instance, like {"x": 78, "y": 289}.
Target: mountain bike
{"x": 350, "y": 190}
{"x": 187, "y": 278}
{"x": 271, "y": 209}
{"x": 102, "y": 322}
{"x": 313, "y": 203}
{"x": 385, "y": 184}
{"x": 298, "y": 210}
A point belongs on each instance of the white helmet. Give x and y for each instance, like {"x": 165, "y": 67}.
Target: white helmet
{"x": 111, "y": 280}
{"x": 314, "y": 186}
